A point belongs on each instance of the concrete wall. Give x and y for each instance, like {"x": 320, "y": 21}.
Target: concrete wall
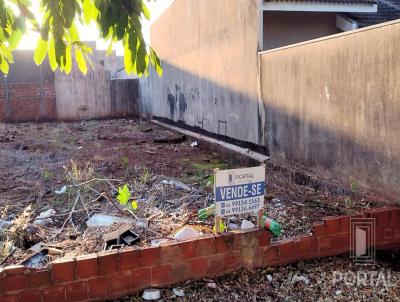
{"x": 83, "y": 97}
{"x": 124, "y": 98}
{"x": 333, "y": 104}
{"x": 209, "y": 53}
{"x": 94, "y": 96}
{"x": 285, "y": 28}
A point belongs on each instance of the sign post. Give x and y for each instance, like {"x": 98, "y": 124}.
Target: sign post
{"x": 239, "y": 191}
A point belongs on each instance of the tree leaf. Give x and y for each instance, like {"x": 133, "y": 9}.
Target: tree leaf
{"x": 4, "y": 67}
{"x": 68, "y": 62}
{"x": 87, "y": 11}
{"x": 127, "y": 58}
{"x": 110, "y": 48}
{"x": 40, "y": 51}
{"x": 6, "y": 52}
{"x": 73, "y": 31}
{"x": 80, "y": 59}
{"x": 14, "y": 39}
{"x": 52, "y": 55}
{"x": 145, "y": 10}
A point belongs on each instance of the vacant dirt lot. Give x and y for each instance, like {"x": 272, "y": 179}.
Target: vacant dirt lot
{"x": 169, "y": 181}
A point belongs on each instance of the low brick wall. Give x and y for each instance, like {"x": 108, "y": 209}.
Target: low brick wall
{"x": 116, "y": 273}
{"x": 25, "y": 102}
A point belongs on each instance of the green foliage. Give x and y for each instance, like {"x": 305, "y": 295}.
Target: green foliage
{"x": 117, "y": 20}
{"x": 123, "y": 195}
{"x": 348, "y": 202}
{"x": 354, "y": 186}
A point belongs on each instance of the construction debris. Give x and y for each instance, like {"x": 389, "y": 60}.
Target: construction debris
{"x": 100, "y": 220}
{"x": 169, "y": 185}
{"x": 186, "y": 233}
{"x": 44, "y": 218}
{"x": 151, "y": 294}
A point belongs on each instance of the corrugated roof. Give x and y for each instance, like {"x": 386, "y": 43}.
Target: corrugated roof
{"x": 328, "y": 1}
{"x": 387, "y": 11}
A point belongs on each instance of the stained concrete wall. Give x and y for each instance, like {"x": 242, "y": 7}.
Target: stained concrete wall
{"x": 209, "y": 54}
{"x": 83, "y": 97}
{"x": 124, "y": 98}
{"x": 94, "y": 96}
{"x": 285, "y": 28}
{"x": 333, "y": 104}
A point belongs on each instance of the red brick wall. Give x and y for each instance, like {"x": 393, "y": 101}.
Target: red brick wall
{"x": 24, "y": 100}
{"x": 112, "y": 274}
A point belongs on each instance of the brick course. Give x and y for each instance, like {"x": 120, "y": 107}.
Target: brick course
{"x": 24, "y": 102}
{"x": 112, "y": 274}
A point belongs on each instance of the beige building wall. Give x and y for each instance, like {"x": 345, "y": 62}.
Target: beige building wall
{"x": 285, "y": 28}
{"x": 83, "y": 97}
{"x": 209, "y": 53}
{"x": 333, "y": 104}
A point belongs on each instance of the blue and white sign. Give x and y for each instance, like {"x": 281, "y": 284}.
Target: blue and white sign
{"x": 239, "y": 191}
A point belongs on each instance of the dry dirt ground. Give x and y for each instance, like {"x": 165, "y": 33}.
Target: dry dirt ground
{"x": 93, "y": 159}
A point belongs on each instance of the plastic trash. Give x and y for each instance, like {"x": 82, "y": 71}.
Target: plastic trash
{"x": 105, "y": 220}
{"x": 186, "y": 233}
{"x": 63, "y": 190}
{"x": 233, "y": 226}
{"x": 206, "y": 212}
{"x": 44, "y": 217}
{"x": 272, "y": 225}
{"x": 129, "y": 237}
{"x": 247, "y": 225}
{"x": 177, "y": 184}
{"x": 178, "y": 292}
{"x": 194, "y": 144}
{"x": 151, "y": 294}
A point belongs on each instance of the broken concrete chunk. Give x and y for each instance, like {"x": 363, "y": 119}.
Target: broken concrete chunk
{"x": 105, "y": 220}
{"x": 151, "y": 294}
{"x": 177, "y": 184}
{"x": 178, "y": 292}
{"x": 212, "y": 285}
{"x": 297, "y": 279}
{"x": 44, "y": 217}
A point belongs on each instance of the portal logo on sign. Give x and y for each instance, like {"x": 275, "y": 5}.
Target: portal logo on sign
{"x": 362, "y": 240}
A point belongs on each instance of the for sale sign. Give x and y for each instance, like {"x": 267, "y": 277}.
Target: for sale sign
{"x": 239, "y": 191}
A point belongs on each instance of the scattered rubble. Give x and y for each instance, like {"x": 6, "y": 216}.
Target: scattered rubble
{"x": 101, "y": 220}
{"x": 151, "y": 294}
{"x": 45, "y": 197}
